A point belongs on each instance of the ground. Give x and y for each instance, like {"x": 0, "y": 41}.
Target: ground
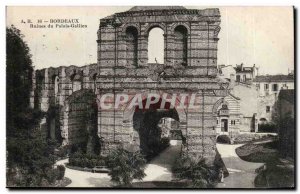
{"x": 86, "y": 179}
{"x": 277, "y": 173}
{"x": 241, "y": 173}
{"x": 158, "y": 169}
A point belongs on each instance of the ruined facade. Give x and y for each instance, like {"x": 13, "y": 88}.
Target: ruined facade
{"x": 190, "y": 66}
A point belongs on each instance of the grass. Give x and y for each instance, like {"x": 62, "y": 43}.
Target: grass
{"x": 260, "y": 153}
{"x": 277, "y": 174}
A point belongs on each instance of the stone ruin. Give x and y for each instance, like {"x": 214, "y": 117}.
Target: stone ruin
{"x": 190, "y": 66}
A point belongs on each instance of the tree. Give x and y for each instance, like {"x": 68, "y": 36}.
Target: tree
{"x": 18, "y": 77}
{"x": 201, "y": 175}
{"x": 125, "y": 166}
{"x": 29, "y": 155}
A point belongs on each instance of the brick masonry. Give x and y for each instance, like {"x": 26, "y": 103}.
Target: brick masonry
{"x": 190, "y": 66}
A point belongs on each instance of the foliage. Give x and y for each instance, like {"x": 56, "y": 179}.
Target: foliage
{"x": 61, "y": 172}
{"x": 156, "y": 147}
{"x": 275, "y": 176}
{"x": 201, "y": 175}
{"x": 62, "y": 152}
{"x": 287, "y": 135}
{"x": 223, "y": 139}
{"x": 30, "y": 156}
{"x": 263, "y": 153}
{"x": 86, "y": 160}
{"x": 267, "y": 127}
{"x": 125, "y": 166}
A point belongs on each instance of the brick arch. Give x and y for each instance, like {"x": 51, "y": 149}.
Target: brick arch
{"x": 217, "y": 105}
{"x": 149, "y": 27}
{"x": 175, "y": 25}
{"x": 84, "y": 96}
{"x": 128, "y": 25}
{"x": 129, "y": 113}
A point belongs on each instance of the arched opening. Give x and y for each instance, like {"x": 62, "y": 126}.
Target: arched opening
{"x": 56, "y": 87}
{"x": 132, "y": 45}
{"x": 156, "y": 46}
{"x": 82, "y": 122}
{"x": 148, "y": 124}
{"x": 180, "y": 44}
{"x": 76, "y": 82}
{"x": 94, "y": 81}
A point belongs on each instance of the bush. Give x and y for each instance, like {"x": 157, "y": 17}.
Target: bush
{"x": 164, "y": 143}
{"x": 125, "y": 166}
{"x": 86, "y": 160}
{"x": 267, "y": 127}
{"x": 61, "y": 172}
{"x": 52, "y": 175}
{"x": 62, "y": 152}
{"x": 223, "y": 139}
{"x": 201, "y": 175}
{"x": 156, "y": 147}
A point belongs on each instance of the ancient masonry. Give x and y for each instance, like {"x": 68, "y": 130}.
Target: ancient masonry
{"x": 190, "y": 66}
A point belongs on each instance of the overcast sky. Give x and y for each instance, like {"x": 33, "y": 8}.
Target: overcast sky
{"x": 250, "y": 35}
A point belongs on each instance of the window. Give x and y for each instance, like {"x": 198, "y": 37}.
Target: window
{"x": 275, "y": 87}
{"x": 268, "y": 109}
{"x": 266, "y": 86}
{"x": 181, "y": 44}
{"x": 257, "y": 86}
{"x": 132, "y": 45}
{"x": 156, "y": 46}
{"x": 224, "y": 125}
{"x": 56, "y": 86}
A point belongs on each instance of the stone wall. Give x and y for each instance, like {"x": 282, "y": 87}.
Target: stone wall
{"x": 190, "y": 66}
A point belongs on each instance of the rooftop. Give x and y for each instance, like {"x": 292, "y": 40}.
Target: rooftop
{"x": 274, "y": 78}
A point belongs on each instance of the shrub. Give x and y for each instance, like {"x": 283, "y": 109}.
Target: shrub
{"x": 267, "y": 127}
{"x": 223, "y": 139}
{"x": 164, "y": 143}
{"x": 125, "y": 166}
{"x": 86, "y": 160}
{"x": 52, "y": 175}
{"x": 61, "y": 172}
{"x": 201, "y": 175}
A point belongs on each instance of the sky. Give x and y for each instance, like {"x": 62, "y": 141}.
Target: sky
{"x": 250, "y": 35}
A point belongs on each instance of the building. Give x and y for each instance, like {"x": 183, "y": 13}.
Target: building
{"x": 272, "y": 84}
{"x": 227, "y": 72}
{"x": 228, "y": 120}
{"x": 190, "y": 39}
{"x": 245, "y": 74}
{"x": 247, "y": 94}
{"x": 268, "y": 87}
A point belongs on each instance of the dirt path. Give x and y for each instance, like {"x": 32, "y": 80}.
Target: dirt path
{"x": 241, "y": 173}
{"x": 85, "y": 179}
{"x": 159, "y": 169}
